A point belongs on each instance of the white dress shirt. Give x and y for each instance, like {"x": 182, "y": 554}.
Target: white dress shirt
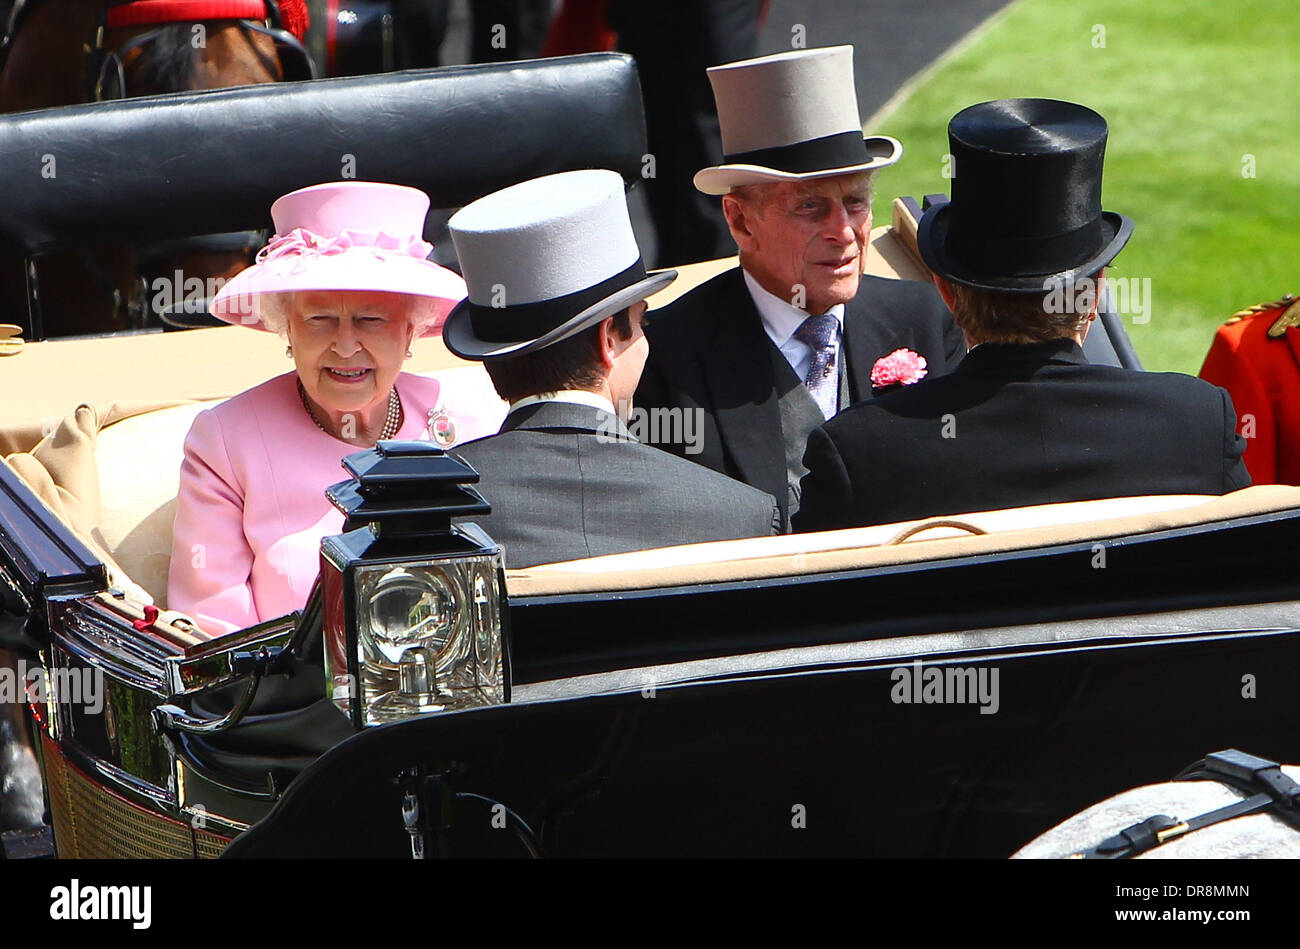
{"x": 781, "y": 320}
{"x": 572, "y": 396}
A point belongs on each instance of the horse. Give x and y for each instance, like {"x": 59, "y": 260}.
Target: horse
{"x": 1208, "y": 813}
{"x": 64, "y": 52}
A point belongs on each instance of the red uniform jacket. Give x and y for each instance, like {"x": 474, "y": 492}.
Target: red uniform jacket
{"x": 1256, "y": 357}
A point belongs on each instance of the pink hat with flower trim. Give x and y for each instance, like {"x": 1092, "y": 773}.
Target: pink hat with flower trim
{"x": 344, "y": 235}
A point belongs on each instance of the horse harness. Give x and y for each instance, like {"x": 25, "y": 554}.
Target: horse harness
{"x": 1267, "y": 788}
{"x": 103, "y": 69}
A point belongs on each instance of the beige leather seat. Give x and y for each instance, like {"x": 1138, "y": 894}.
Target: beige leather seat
{"x": 139, "y": 462}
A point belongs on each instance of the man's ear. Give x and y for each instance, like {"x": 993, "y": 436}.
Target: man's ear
{"x": 945, "y": 290}
{"x": 1099, "y": 287}
{"x": 610, "y": 343}
{"x": 737, "y": 215}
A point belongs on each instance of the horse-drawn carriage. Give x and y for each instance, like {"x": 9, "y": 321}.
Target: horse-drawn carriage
{"x": 946, "y": 687}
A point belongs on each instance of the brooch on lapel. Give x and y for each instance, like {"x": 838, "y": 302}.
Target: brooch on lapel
{"x": 442, "y": 429}
{"x": 902, "y": 367}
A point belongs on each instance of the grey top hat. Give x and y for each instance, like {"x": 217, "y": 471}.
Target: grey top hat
{"x": 789, "y": 117}
{"x": 544, "y": 260}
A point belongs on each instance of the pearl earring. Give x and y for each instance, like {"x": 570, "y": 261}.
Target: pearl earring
{"x": 408, "y": 354}
{"x": 288, "y": 351}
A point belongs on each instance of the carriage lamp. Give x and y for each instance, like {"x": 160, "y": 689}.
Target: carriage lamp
{"x": 415, "y": 617}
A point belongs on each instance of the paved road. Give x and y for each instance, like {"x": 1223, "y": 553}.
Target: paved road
{"x": 892, "y": 40}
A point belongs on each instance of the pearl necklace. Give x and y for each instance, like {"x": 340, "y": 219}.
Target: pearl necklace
{"x": 392, "y": 422}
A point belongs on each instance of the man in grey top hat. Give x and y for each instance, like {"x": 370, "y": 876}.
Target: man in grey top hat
{"x": 555, "y": 311}
{"x": 770, "y": 350}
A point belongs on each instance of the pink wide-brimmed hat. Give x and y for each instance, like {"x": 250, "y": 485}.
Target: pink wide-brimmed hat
{"x": 344, "y": 235}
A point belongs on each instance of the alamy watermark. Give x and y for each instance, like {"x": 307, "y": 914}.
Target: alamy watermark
{"x": 657, "y": 426}
{"x": 77, "y": 901}
{"x": 177, "y": 290}
{"x": 84, "y": 687}
{"x": 919, "y": 684}
{"x": 1129, "y": 296}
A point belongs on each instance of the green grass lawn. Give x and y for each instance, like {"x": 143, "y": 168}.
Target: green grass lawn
{"x": 1189, "y": 88}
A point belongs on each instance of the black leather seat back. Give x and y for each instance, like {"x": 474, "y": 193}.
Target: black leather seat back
{"x": 203, "y": 162}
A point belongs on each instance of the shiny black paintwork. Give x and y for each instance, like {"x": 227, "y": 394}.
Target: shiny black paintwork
{"x": 717, "y": 768}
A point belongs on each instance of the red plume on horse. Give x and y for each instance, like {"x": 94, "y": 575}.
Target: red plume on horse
{"x": 64, "y": 52}
{"x": 59, "y": 52}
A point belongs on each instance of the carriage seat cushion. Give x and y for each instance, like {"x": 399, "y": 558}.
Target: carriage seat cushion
{"x": 110, "y": 472}
{"x": 139, "y": 462}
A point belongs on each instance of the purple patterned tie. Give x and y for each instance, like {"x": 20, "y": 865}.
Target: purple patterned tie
{"x": 823, "y": 381}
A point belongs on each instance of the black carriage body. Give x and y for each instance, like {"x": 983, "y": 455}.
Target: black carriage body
{"x": 771, "y": 719}
{"x": 797, "y": 762}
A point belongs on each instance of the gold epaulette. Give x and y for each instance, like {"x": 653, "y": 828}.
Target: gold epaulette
{"x": 1290, "y": 316}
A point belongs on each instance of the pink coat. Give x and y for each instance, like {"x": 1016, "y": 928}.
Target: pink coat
{"x": 251, "y": 510}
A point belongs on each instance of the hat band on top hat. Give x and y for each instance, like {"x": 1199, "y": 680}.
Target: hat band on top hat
{"x": 982, "y": 252}
{"x": 841, "y": 150}
{"x": 512, "y": 323}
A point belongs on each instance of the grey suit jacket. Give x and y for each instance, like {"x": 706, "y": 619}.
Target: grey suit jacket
{"x": 568, "y": 481}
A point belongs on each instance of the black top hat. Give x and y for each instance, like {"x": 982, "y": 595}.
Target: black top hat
{"x": 1026, "y": 198}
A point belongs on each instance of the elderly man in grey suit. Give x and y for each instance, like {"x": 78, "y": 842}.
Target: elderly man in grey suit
{"x": 556, "y": 312}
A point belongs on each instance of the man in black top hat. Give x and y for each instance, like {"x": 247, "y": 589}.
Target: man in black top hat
{"x": 555, "y": 312}
{"x": 769, "y": 350}
{"x": 1018, "y": 255}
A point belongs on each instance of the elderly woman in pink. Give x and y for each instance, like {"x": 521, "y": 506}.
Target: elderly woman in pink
{"x": 347, "y": 282}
